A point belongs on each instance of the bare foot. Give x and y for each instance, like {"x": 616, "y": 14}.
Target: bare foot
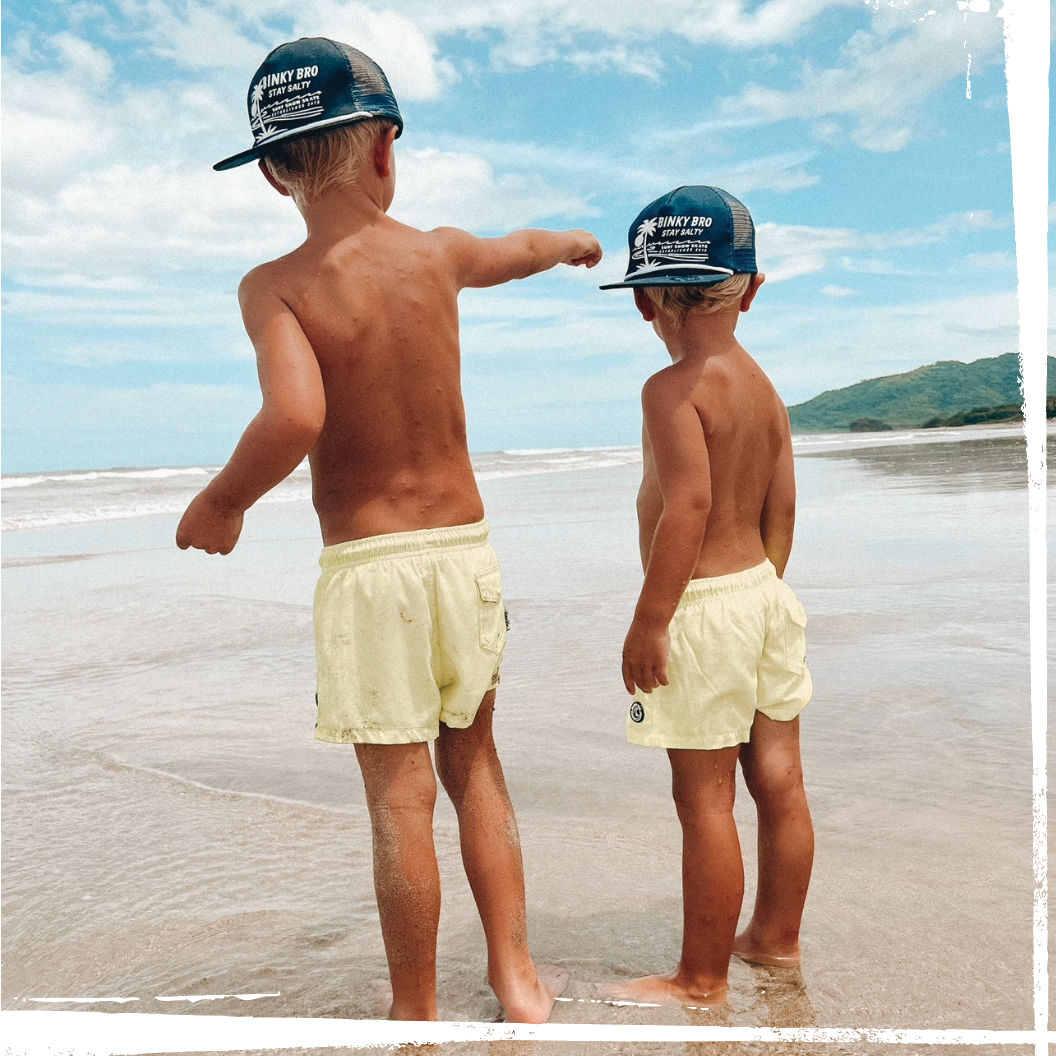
{"x": 663, "y": 990}
{"x": 533, "y": 1000}
{"x": 745, "y": 947}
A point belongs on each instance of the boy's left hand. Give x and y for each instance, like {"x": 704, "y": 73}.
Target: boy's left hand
{"x": 645, "y": 652}
{"x": 206, "y": 526}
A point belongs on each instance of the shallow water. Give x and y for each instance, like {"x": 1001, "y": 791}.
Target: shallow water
{"x": 171, "y": 828}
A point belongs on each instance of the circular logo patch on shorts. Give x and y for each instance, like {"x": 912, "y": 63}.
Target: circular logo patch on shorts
{"x": 637, "y": 712}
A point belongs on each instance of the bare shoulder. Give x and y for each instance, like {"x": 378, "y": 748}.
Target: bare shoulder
{"x": 458, "y": 246}
{"x": 665, "y": 390}
{"x": 264, "y": 280}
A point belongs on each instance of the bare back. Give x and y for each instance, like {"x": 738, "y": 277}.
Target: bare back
{"x": 748, "y": 460}
{"x": 356, "y": 338}
{"x": 379, "y": 309}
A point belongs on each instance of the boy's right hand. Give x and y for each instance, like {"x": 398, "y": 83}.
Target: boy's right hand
{"x": 645, "y": 652}
{"x": 585, "y": 249}
{"x": 206, "y": 526}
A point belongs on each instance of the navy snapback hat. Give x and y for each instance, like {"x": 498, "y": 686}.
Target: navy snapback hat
{"x": 309, "y": 85}
{"x": 692, "y": 236}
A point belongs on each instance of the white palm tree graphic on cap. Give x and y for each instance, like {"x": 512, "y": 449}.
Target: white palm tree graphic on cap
{"x": 255, "y": 120}
{"x": 645, "y": 229}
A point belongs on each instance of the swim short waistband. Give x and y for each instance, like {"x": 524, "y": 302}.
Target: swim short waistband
{"x": 713, "y": 586}
{"x": 398, "y": 544}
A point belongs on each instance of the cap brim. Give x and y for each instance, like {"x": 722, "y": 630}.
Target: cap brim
{"x": 706, "y": 279}
{"x": 239, "y": 159}
{"x": 260, "y": 149}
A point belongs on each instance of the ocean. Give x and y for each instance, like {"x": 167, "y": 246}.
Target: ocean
{"x": 175, "y": 841}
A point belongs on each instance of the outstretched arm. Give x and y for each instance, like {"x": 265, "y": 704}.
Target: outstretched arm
{"x": 679, "y": 456}
{"x": 777, "y": 522}
{"x": 278, "y": 438}
{"x": 492, "y": 261}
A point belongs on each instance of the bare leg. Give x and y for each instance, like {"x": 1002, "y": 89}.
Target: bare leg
{"x": 468, "y": 766}
{"x": 401, "y": 794}
{"x": 712, "y": 883}
{"x": 774, "y": 775}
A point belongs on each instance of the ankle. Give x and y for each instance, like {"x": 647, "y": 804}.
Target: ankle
{"x": 702, "y": 984}
{"x": 513, "y": 969}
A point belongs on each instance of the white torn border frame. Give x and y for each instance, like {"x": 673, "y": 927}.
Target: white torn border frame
{"x": 128, "y": 1034}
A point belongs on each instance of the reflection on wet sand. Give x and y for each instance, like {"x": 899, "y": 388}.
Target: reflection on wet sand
{"x": 998, "y": 462}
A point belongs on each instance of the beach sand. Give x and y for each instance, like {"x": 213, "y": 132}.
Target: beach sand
{"x": 171, "y": 828}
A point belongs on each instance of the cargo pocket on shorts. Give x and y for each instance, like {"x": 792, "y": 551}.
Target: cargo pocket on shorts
{"x": 492, "y": 617}
{"x": 795, "y": 635}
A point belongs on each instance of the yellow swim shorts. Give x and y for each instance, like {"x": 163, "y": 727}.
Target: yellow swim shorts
{"x": 409, "y": 632}
{"x": 738, "y": 646}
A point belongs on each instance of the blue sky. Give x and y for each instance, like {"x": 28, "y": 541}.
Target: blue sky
{"x": 869, "y": 138}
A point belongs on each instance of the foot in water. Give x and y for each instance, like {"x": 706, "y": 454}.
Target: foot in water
{"x": 747, "y": 949}
{"x": 532, "y": 1000}
{"x": 664, "y": 990}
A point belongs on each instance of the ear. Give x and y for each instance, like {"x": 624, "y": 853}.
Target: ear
{"x": 753, "y": 289}
{"x": 644, "y": 304}
{"x": 383, "y": 153}
{"x": 263, "y": 166}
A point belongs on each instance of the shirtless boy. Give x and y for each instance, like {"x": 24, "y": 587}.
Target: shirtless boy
{"x": 356, "y": 337}
{"x": 717, "y": 645}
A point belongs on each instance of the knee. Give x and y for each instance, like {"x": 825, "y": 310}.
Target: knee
{"x": 398, "y": 787}
{"x": 403, "y": 808}
{"x": 694, "y": 803}
{"x": 458, "y": 765}
{"x": 776, "y": 788}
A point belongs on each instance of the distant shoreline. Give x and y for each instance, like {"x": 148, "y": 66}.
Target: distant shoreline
{"x": 481, "y": 459}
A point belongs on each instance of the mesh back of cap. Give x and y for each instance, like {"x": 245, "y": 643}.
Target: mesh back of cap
{"x": 743, "y": 232}
{"x": 367, "y": 76}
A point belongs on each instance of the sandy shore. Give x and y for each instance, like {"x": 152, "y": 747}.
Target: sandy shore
{"x": 171, "y": 830}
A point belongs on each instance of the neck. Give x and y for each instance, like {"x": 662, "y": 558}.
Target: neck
{"x": 341, "y": 209}
{"x": 700, "y": 335}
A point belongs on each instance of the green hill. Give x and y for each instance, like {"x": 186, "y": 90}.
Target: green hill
{"x": 909, "y": 401}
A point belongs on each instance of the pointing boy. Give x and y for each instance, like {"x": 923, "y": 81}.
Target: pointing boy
{"x": 356, "y": 336}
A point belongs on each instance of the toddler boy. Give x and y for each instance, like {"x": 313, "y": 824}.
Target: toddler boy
{"x": 717, "y": 643}
{"x": 356, "y": 337}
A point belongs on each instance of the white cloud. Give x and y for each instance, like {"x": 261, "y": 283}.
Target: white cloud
{"x": 113, "y": 309}
{"x": 238, "y": 35}
{"x": 999, "y": 261}
{"x": 437, "y": 187}
{"x": 786, "y": 251}
{"x": 538, "y": 31}
{"x": 637, "y": 62}
{"x": 54, "y": 122}
{"x": 125, "y": 220}
{"x": 59, "y": 124}
{"x": 408, "y": 55}
{"x": 885, "y": 75}
{"x": 836, "y": 291}
{"x": 784, "y": 172}
{"x": 731, "y": 22}
{"x": 108, "y": 225}
{"x": 200, "y": 37}
{"x": 83, "y": 61}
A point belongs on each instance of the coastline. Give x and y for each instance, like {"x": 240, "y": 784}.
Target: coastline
{"x": 162, "y": 785}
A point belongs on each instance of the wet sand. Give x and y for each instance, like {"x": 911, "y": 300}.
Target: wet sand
{"x": 171, "y": 829}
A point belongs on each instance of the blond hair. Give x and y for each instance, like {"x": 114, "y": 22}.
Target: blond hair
{"x": 678, "y": 301}
{"x": 309, "y": 165}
